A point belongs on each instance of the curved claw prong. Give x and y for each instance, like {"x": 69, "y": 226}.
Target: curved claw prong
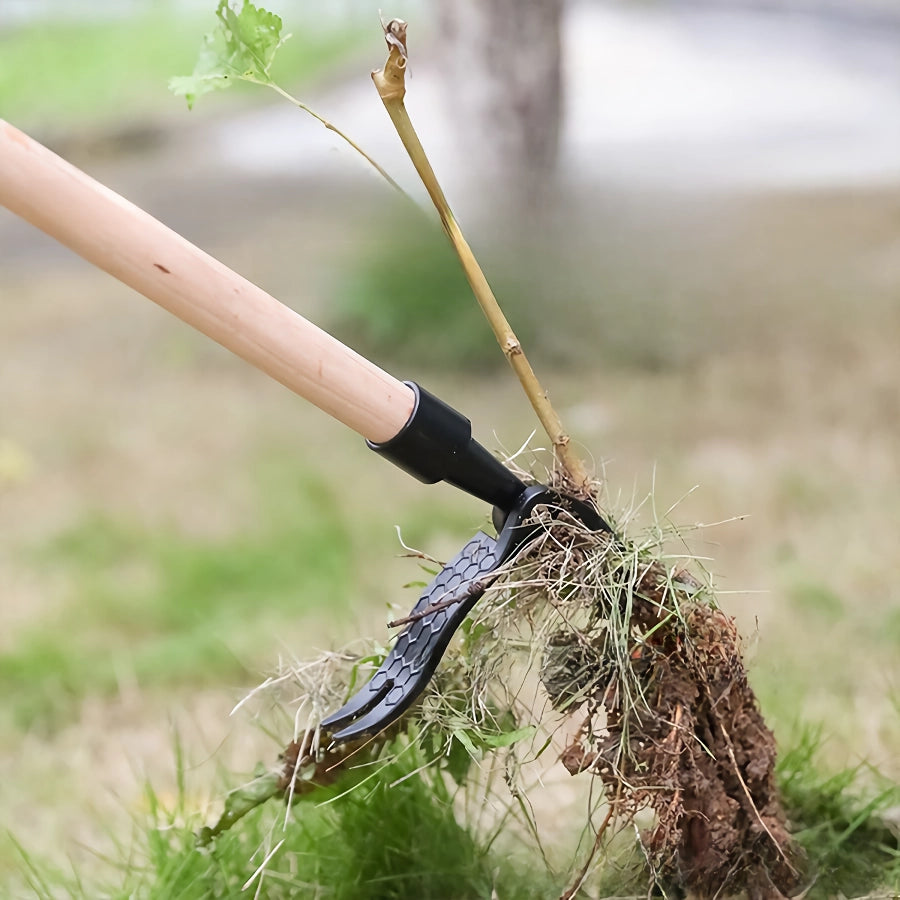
{"x": 440, "y": 610}
{"x": 419, "y": 648}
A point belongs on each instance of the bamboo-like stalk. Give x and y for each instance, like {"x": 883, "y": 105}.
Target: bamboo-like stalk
{"x": 391, "y": 85}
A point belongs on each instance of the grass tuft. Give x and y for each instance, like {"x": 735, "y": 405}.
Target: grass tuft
{"x": 393, "y": 837}
{"x": 843, "y": 821}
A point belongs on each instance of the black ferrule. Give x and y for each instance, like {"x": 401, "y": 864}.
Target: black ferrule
{"x": 436, "y": 444}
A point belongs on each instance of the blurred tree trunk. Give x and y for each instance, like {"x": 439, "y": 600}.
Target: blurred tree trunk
{"x": 502, "y": 61}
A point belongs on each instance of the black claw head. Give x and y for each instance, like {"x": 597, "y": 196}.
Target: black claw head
{"x": 441, "y": 609}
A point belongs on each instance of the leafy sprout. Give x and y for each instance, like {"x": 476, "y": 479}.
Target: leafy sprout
{"x": 242, "y": 47}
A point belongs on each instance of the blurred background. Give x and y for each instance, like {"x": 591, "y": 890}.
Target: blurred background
{"x": 691, "y": 214}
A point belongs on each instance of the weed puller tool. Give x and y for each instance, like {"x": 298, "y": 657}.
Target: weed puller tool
{"x": 400, "y": 420}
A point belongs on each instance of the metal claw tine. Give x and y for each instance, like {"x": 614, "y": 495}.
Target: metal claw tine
{"x": 364, "y": 700}
{"x": 440, "y": 610}
{"x": 418, "y": 650}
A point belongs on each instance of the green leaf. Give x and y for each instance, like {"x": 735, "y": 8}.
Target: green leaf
{"x": 252, "y": 37}
{"x": 210, "y": 74}
{"x": 465, "y": 739}
{"x": 458, "y": 761}
{"x": 476, "y": 741}
{"x": 496, "y": 741}
{"x": 242, "y": 47}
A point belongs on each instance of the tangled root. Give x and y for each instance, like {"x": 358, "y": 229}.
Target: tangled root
{"x": 651, "y": 671}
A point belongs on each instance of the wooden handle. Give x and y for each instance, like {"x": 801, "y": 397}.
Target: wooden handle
{"x": 140, "y": 251}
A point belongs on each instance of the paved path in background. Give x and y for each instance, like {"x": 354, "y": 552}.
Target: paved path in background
{"x": 657, "y": 97}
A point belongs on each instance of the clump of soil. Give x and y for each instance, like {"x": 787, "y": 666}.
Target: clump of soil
{"x": 654, "y": 679}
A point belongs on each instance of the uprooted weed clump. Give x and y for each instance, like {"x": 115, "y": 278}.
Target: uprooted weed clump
{"x": 643, "y": 678}
{"x": 651, "y": 672}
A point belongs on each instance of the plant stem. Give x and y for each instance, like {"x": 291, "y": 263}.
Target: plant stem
{"x": 391, "y": 85}
{"x": 575, "y": 887}
{"x": 336, "y": 130}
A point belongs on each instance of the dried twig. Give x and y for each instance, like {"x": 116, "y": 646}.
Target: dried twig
{"x": 391, "y": 85}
